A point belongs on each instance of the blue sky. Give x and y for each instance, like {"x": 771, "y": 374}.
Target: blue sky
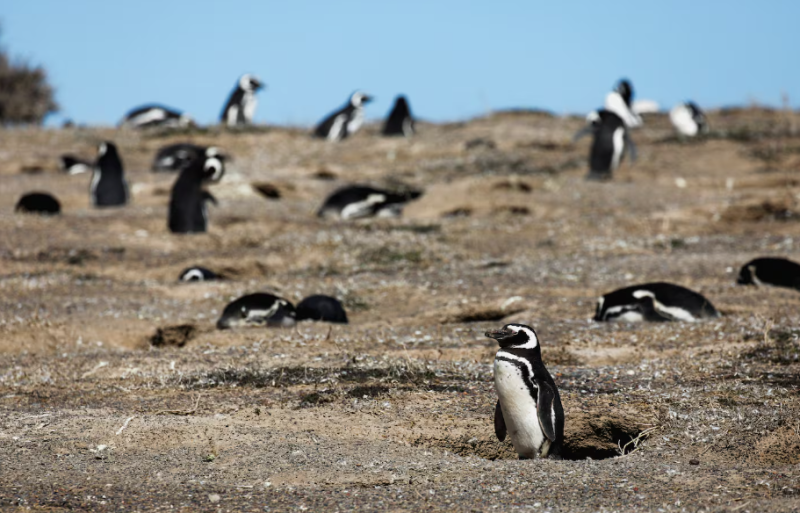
{"x": 454, "y": 59}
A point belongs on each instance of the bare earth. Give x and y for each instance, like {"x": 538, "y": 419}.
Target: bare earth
{"x": 394, "y": 411}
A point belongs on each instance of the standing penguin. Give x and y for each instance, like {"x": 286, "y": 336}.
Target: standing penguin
{"x": 345, "y": 121}
{"x": 619, "y": 101}
{"x": 242, "y": 103}
{"x": 611, "y": 140}
{"x": 399, "y": 121}
{"x": 529, "y": 406}
{"x": 187, "y": 201}
{"x": 108, "y": 187}
{"x": 688, "y": 119}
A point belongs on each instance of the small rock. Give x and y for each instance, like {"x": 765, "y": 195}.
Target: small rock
{"x": 694, "y": 462}
{"x": 214, "y": 497}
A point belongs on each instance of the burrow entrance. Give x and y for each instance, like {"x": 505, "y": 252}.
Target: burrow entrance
{"x": 586, "y": 435}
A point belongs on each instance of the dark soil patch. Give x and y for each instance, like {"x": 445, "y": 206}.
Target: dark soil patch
{"x": 173, "y": 336}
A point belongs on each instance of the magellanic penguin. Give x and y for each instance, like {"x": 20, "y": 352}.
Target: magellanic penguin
{"x": 155, "y": 116}
{"x": 654, "y": 302}
{"x": 175, "y": 156}
{"x": 345, "y": 121}
{"x": 242, "y": 102}
{"x": 108, "y": 187}
{"x": 198, "y": 273}
{"x": 399, "y": 121}
{"x": 529, "y": 406}
{"x": 610, "y": 142}
{"x": 688, "y": 119}
{"x": 259, "y": 309}
{"x": 357, "y": 201}
{"x": 38, "y": 203}
{"x": 187, "y": 201}
{"x": 619, "y": 101}
{"x": 321, "y": 308}
{"x": 73, "y": 165}
{"x": 779, "y": 272}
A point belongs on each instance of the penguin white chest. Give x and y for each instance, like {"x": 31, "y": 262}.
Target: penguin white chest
{"x": 356, "y": 121}
{"x": 519, "y": 409}
{"x": 249, "y": 103}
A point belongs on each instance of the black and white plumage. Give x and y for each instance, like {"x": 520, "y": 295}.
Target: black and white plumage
{"x": 619, "y": 101}
{"x": 73, "y": 165}
{"x": 187, "y": 202}
{"x": 321, "y": 308}
{"x": 654, "y": 302}
{"x": 198, "y": 273}
{"x": 108, "y": 187}
{"x": 155, "y": 116}
{"x": 529, "y": 406}
{"x": 779, "y": 272}
{"x": 345, "y": 121}
{"x": 399, "y": 121}
{"x": 241, "y": 105}
{"x": 688, "y": 119}
{"x": 38, "y": 203}
{"x": 357, "y": 201}
{"x": 259, "y": 309}
{"x": 175, "y": 156}
{"x": 611, "y": 140}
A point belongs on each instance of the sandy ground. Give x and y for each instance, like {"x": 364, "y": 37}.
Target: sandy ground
{"x": 394, "y": 411}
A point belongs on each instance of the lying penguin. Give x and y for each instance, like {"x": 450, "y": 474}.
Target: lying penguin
{"x": 262, "y": 309}
{"x": 654, "y": 302}
{"x": 358, "y": 201}
{"x": 38, "y": 203}
{"x": 529, "y": 406}
{"x": 779, "y": 272}
{"x": 187, "y": 203}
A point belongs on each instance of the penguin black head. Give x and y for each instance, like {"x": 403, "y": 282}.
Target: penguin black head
{"x": 358, "y": 99}
{"x": 249, "y": 82}
{"x": 625, "y": 89}
{"x": 258, "y": 309}
{"x": 107, "y": 156}
{"x": 747, "y": 275}
{"x": 515, "y": 336}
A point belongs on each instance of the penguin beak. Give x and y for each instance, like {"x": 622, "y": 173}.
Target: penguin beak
{"x": 223, "y": 323}
{"x": 366, "y": 99}
{"x": 497, "y": 334}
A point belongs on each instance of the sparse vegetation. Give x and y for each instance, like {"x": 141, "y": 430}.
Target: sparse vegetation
{"x": 26, "y": 97}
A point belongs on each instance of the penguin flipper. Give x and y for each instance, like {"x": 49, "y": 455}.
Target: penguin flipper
{"x": 207, "y": 196}
{"x": 545, "y": 410}
{"x": 499, "y": 423}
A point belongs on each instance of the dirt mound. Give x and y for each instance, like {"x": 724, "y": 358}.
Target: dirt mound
{"x": 782, "y": 447}
{"x": 175, "y": 336}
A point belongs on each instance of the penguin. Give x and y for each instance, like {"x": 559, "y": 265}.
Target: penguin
{"x": 175, "y": 156}
{"x": 779, "y": 272}
{"x": 321, "y": 308}
{"x": 259, "y": 309}
{"x": 345, "y": 121}
{"x": 108, "y": 187}
{"x": 357, "y": 201}
{"x": 619, "y": 100}
{"x": 155, "y": 115}
{"x": 72, "y": 165}
{"x": 611, "y": 141}
{"x": 399, "y": 121}
{"x": 198, "y": 273}
{"x": 242, "y": 103}
{"x": 688, "y": 119}
{"x": 655, "y": 302}
{"x": 187, "y": 202}
{"x": 38, "y": 203}
{"x": 529, "y": 406}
